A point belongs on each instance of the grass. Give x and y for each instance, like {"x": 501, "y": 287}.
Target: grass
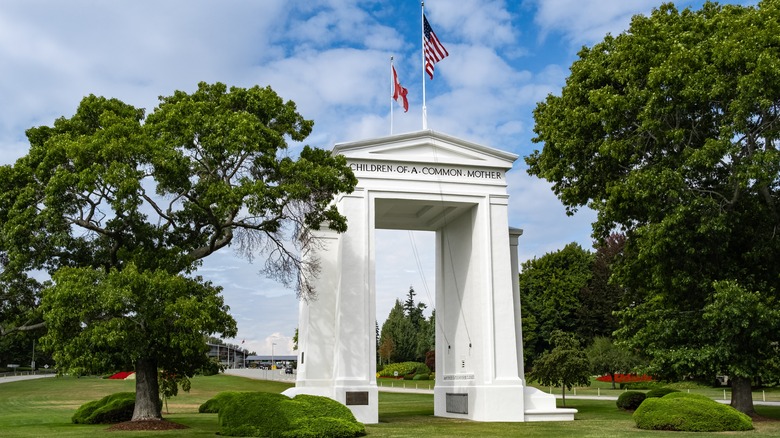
{"x": 43, "y": 407}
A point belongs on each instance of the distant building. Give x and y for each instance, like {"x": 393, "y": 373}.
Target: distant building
{"x": 264, "y": 361}
{"x": 230, "y": 356}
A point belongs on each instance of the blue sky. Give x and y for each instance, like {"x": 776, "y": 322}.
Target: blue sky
{"x": 332, "y": 58}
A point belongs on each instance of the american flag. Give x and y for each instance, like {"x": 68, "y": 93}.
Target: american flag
{"x": 434, "y": 51}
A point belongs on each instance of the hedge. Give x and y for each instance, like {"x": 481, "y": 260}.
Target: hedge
{"x": 403, "y": 369}
{"x": 690, "y": 413}
{"x": 114, "y": 408}
{"x": 268, "y": 414}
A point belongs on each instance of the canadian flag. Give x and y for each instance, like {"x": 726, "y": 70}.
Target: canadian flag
{"x": 399, "y": 91}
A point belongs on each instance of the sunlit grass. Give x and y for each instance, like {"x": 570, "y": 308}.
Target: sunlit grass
{"x": 43, "y": 407}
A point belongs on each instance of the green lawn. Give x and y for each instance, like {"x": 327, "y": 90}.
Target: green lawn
{"x": 43, "y": 407}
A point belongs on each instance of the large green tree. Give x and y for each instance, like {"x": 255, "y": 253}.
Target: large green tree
{"x": 550, "y": 292}
{"x": 118, "y": 209}
{"x": 670, "y": 132}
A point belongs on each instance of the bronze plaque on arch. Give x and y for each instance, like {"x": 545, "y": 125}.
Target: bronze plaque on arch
{"x": 357, "y": 398}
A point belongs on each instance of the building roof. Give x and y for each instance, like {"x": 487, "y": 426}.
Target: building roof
{"x": 276, "y": 357}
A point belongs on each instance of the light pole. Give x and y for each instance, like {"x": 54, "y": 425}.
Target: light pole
{"x": 273, "y": 362}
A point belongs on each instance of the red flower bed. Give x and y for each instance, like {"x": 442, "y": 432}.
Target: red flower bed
{"x": 625, "y": 378}
{"x": 121, "y": 375}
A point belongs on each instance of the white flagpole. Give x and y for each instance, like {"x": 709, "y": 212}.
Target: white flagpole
{"x": 392, "y": 93}
{"x": 422, "y": 28}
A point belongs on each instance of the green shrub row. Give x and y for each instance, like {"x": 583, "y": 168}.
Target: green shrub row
{"x": 680, "y": 411}
{"x": 404, "y": 369}
{"x": 114, "y": 408}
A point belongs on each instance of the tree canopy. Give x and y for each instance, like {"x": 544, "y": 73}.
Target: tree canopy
{"x": 406, "y": 335}
{"x": 549, "y": 290}
{"x": 118, "y": 209}
{"x": 669, "y": 131}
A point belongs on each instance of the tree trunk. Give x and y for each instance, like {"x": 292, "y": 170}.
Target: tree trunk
{"x": 613, "y": 380}
{"x": 147, "y": 391}
{"x": 742, "y": 395}
{"x": 563, "y": 394}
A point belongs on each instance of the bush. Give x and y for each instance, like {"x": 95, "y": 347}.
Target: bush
{"x": 404, "y": 368}
{"x": 691, "y": 413}
{"x": 269, "y": 414}
{"x": 421, "y": 377}
{"x": 114, "y": 408}
{"x": 212, "y": 405}
{"x": 630, "y": 400}
{"x": 660, "y": 392}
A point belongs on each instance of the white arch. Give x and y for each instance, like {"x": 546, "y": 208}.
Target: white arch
{"x": 425, "y": 181}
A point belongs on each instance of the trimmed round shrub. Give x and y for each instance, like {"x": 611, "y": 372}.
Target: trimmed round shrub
{"x": 687, "y": 395}
{"x": 212, "y": 405}
{"x": 114, "y": 408}
{"x": 268, "y": 414}
{"x": 660, "y": 392}
{"x": 630, "y": 400}
{"x": 681, "y": 412}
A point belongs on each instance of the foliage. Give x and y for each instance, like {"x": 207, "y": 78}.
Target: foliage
{"x": 406, "y": 335}
{"x": 690, "y": 414}
{"x": 119, "y": 210}
{"x": 212, "y": 367}
{"x": 660, "y": 392}
{"x": 606, "y": 357}
{"x": 404, "y": 368}
{"x": 630, "y": 400}
{"x": 267, "y": 414}
{"x": 601, "y": 297}
{"x": 669, "y": 132}
{"x": 422, "y": 376}
{"x": 114, "y": 408}
{"x": 565, "y": 365}
{"x": 212, "y": 405}
{"x": 650, "y": 384}
{"x": 169, "y": 385}
{"x": 99, "y": 320}
{"x": 549, "y": 290}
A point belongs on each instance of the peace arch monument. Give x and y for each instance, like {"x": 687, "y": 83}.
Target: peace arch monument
{"x": 425, "y": 181}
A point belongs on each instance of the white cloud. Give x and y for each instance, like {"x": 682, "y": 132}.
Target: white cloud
{"x": 330, "y": 57}
{"x": 485, "y": 22}
{"x": 587, "y": 21}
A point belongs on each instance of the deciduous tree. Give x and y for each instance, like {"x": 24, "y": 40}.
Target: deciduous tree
{"x": 565, "y": 365}
{"x": 118, "y": 209}
{"x": 670, "y": 132}
{"x": 549, "y": 290}
{"x": 607, "y": 358}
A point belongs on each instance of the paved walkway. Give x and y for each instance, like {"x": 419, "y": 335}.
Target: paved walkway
{"x": 7, "y": 379}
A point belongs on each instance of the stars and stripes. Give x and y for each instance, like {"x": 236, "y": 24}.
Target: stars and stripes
{"x": 433, "y": 49}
